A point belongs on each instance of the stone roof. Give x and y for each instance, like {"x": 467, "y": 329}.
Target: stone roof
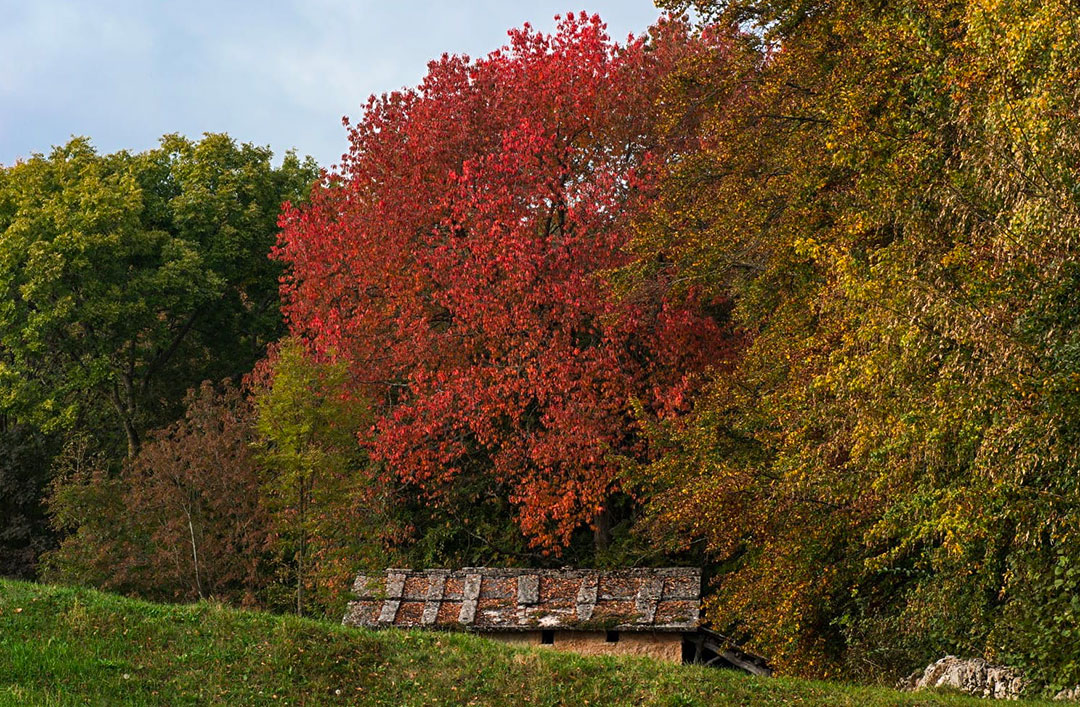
{"x": 488, "y": 599}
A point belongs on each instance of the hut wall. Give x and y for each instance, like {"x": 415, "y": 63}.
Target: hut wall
{"x": 660, "y": 645}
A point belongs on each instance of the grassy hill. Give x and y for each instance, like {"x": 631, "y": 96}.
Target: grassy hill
{"x": 61, "y": 646}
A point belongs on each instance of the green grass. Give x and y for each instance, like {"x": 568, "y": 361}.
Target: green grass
{"x": 62, "y": 646}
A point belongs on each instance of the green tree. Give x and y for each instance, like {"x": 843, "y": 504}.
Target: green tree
{"x": 328, "y": 511}
{"x": 125, "y": 279}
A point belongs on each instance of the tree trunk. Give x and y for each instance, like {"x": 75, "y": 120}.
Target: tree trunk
{"x": 194, "y": 554}
{"x": 602, "y": 530}
{"x": 132, "y": 438}
{"x": 123, "y": 398}
{"x": 303, "y": 549}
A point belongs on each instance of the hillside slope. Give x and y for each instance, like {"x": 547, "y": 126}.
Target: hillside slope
{"x": 61, "y": 646}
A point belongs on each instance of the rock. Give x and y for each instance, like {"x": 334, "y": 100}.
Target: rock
{"x": 973, "y": 676}
{"x": 1072, "y": 694}
{"x": 909, "y": 683}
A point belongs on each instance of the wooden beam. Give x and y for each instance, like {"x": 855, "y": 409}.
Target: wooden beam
{"x": 738, "y": 659}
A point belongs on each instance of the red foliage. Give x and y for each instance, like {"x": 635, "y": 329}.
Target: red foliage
{"x": 459, "y": 262}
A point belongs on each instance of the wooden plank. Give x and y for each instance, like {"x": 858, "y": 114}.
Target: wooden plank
{"x": 745, "y": 661}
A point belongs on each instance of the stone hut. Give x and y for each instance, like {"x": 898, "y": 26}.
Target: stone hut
{"x": 651, "y": 612}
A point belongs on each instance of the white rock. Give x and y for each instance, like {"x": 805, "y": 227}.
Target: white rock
{"x": 1071, "y": 694}
{"x": 973, "y": 676}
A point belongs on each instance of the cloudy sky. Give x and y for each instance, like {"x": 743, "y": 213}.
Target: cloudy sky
{"x": 277, "y": 72}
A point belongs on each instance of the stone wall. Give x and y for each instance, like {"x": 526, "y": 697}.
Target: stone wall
{"x": 660, "y": 645}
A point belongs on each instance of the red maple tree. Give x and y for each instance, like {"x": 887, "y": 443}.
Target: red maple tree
{"x": 460, "y": 262}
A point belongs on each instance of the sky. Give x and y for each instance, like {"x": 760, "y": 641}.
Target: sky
{"x": 279, "y": 72}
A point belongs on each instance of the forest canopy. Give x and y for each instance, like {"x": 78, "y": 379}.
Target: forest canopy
{"x": 788, "y": 291}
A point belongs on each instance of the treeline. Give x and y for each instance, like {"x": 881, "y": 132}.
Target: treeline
{"x": 791, "y": 293}
{"x": 888, "y": 191}
{"x": 126, "y": 280}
